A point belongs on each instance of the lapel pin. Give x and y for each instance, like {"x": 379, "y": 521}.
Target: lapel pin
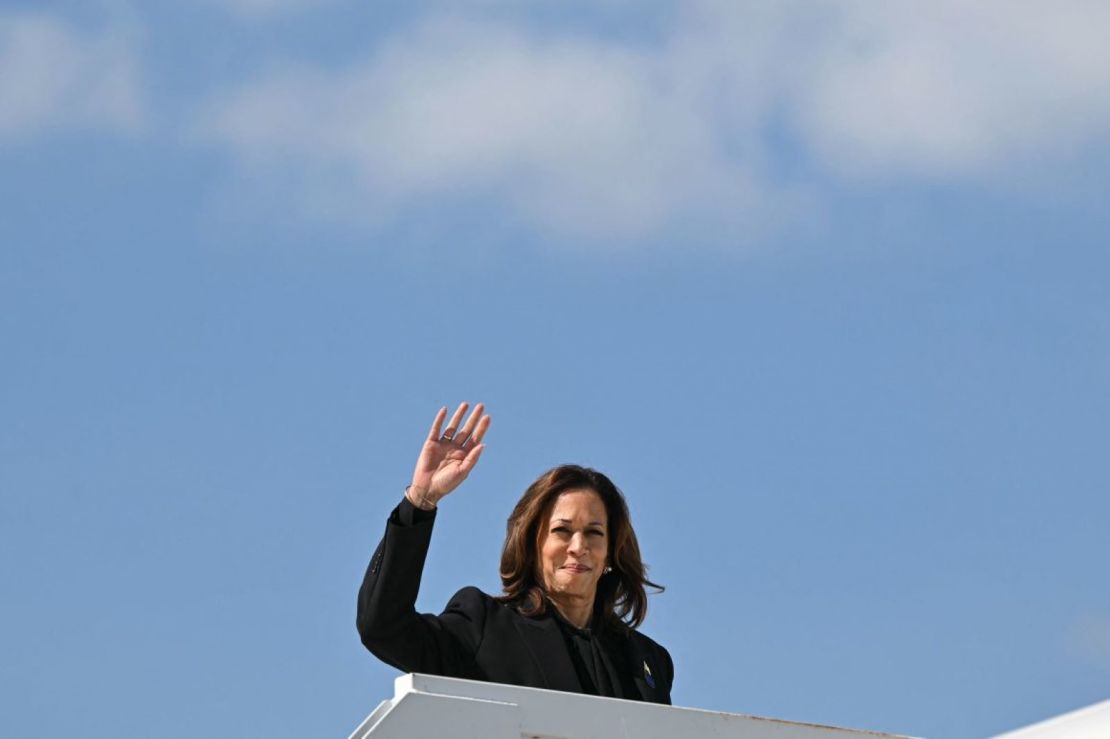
{"x": 647, "y": 675}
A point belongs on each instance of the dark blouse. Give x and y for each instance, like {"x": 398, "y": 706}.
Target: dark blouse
{"x": 599, "y": 657}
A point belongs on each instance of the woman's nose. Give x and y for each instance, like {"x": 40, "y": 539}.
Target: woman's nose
{"x": 577, "y": 544}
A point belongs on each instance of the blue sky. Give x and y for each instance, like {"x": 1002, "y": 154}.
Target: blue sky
{"x": 822, "y": 287}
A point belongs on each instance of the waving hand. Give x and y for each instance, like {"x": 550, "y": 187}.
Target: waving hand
{"x": 448, "y": 457}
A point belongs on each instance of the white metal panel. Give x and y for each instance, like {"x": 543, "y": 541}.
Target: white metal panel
{"x": 1092, "y": 722}
{"x": 425, "y": 705}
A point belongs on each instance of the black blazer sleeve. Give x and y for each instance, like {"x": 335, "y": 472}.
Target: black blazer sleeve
{"x": 387, "y": 619}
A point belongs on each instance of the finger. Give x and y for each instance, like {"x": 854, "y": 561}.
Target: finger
{"x": 434, "y": 433}
{"x": 468, "y": 427}
{"x": 480, "y": 432}
{"x": 471, "y": 459}
{"x": 453, "y": 424}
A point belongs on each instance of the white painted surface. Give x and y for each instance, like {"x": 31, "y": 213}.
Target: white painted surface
{"x": 1092, "y": 722}
{"x": 429, "y": 706}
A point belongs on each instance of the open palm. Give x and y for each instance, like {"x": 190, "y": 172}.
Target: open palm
{"x": 448, "y": 457}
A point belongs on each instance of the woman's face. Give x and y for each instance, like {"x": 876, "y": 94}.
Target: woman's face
{"x": 574, "y": 544}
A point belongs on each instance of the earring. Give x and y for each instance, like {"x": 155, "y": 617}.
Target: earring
{"x": 607, "y": 570}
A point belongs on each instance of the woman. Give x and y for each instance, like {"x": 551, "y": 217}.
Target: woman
{"x": 572, "y": 576}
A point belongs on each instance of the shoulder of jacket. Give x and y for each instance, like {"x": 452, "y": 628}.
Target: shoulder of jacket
{"x": 470, "y": 594}
{"x": 642, "y": 639}
{"x": 471, "y": 598}
{"x": 647, "y": 644}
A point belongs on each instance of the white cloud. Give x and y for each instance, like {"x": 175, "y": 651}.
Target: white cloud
{"x": 954, "y": 88}
{"x": 581, "y": 137}
{"x": 594, "y": 136}
{"x": 53, "y": 77}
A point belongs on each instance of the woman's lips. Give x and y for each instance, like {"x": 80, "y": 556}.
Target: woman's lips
{"x": 576, "y": 568}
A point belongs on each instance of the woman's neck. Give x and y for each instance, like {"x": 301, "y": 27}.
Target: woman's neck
{"x": 577, "y": 611}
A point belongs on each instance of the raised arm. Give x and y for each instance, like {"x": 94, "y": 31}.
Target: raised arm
{"x": 387, "y": 619}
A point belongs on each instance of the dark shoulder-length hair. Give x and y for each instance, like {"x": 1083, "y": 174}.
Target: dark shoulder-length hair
{"x": 621, "y": 599}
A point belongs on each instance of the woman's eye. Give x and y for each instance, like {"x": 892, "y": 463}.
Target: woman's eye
{"x": 596, "y": 533}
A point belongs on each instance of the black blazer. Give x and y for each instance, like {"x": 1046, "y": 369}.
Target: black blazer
{"x": 476, "y": 637}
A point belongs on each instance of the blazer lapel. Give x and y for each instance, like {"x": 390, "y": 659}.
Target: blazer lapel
{"x": 644, "y": 673}
{"x": 544, "y": 641}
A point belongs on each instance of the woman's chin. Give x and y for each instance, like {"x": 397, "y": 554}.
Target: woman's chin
{"x": 575, "y": 586}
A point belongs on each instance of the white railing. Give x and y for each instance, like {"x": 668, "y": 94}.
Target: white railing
{"x": 429, "y": 706}
{"x": 1092, "y": 722}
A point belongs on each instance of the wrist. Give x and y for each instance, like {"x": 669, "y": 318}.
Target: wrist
{"x": 420, "y": 497}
